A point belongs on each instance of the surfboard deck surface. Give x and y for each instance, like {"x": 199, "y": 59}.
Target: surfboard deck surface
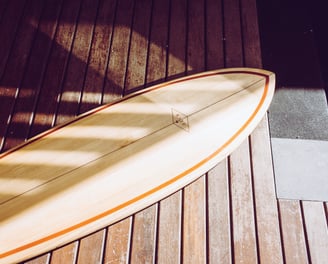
{"x": 117, "y": 159}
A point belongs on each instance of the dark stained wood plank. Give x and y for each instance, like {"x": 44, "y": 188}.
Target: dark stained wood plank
{"x": 250, "y": 33}
{"x": 158, "y": 43}
{"x": 10, "y": 85}
{"x": 3, "y": 7}
{"x": 74, "y": 79}
{"x": 10, "y": 21}
{"x": 214, "y": 35}
{"x": 143, "y": 244}
{"x": 118, "y": 242}
{"x": 31, "y": 83}
{"x": 170, "y": 229}
{"x": 292, "y": 232}
{"x": 194, "y": 222}
{"x": 316, "y": 231}
{"x": 243, "y": 218}
{"x": 267, "y": 219}
{"x": 177, "y": 39}
{"x": 196, "y": 37}
{"x": 136, "y": 70}
{"x": 219, "y": 236}
{"x": 66, "y": 254}
{"x": 45, "y": 112}
{"x": 92, "y": 95}
{"x": 91, "y": 248}
{"x": 115, "y": 76}
{"x": 232, "y": 34}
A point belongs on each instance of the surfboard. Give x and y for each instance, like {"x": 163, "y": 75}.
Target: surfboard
{"x": 119, "y": 158}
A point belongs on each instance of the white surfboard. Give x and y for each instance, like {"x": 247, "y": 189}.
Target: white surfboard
{"x": 117, "y": 159}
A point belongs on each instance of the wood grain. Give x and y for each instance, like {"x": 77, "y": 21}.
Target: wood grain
{"x": 170, "y": 229}
{"x": 158, "y": 43}
{"x": 22, "y": 114}
{"x": 196, "y": 37}
{"x": 93, "y": 88}
{"x": 250, "y": 33}
{"x": 119, "y": 52}
{"x": 242, "y": 204}
{"x": 44, "y": 259}
{"x": 10, "y": 22}
{"x": 143, "y": 242}
{"x": 233, "y": 43}
{"x": 66, "y": 254}
{"x": 73, "y": 82}
{"x": 177, "y": 39}
{"x": 194, "y": 223}
{"x": 118, "y": 242}
{"x": 214, "y": 38}
{"x": 316, "y": 230}
{"x": 91, "y": 248}
{"x": 46, "y": 108}
{"x": 20, "y": 54}
{"x": 219, "y": 222}
{"x": 293, "y": 233}
{"x": 136, "y": 68}
{"x": 267, "y": 220}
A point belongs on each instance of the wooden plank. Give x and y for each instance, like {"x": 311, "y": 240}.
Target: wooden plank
{"x": 250, "y": 34}
{"x": 3, "y": 7}
{"x": 10, "y": 22}
{"x": 214, "y": 35}
{"x": 66, "y": 254}
{"x": 218, "y": 199}
{"x": 177, "y": 39}
{"x": 170, "y": 229}
{"x": 92, "y": 94}
{"x": 232, "y": 34}
{"x": 157, "y": 54}
{"x": 196, "y": 37}
{"x": 316, "y": 231}
{"x": 118, "y": 242}
{"x": 194, "y": 222}
{"x": 267, "y": 220}
{"x": 45, "y": 112}
{"x": 11, "y": 83}
{"x": 136, "y": 69}
{"x": 31, "y": 82}
{"x": 143, "y": 244}
{"x": 91, "y": 248}
{"x": 243, "y": 218}
{"x": 71, "y": 91}
{"x": 294, "y": 242}
{"x": 116, "y": 71}
{"x": 44, "y": 259}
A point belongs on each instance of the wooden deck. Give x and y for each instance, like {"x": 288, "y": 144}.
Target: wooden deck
{"x": 61, "y": 58}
